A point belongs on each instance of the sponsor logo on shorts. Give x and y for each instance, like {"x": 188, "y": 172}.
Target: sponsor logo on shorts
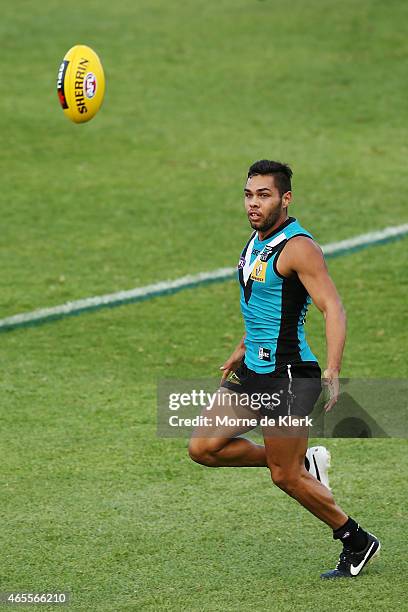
{"x": 233, "y": 378}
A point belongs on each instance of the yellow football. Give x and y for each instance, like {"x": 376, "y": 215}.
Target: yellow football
{"x": 81, "y": 84}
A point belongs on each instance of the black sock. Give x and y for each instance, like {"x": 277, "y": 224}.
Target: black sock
{"x": 351, "y": 535}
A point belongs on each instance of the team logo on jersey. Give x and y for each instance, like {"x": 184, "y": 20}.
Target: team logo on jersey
{"x": 266, "y": 253}
{"x": 259, "y": 271}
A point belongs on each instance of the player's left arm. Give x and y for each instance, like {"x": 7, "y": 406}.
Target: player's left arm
{"x": 306, "y": 259}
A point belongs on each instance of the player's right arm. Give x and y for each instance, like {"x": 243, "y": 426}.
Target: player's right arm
{"x": 233, "y": 361}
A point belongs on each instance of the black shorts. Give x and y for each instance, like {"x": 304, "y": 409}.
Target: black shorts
{"x": 290, "y": 390}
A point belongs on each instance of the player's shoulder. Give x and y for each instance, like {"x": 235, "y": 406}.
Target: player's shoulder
{"x": 302, "y": 242}
{"x": 300, "y": 239}
{"x": 293, "y": 227}
{"x": 302, "y": 252}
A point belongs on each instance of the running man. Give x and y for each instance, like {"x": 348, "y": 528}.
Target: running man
{"x": 281, "y": 270}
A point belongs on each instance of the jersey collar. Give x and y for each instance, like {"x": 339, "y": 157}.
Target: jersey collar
{"x": 282, "y": 226}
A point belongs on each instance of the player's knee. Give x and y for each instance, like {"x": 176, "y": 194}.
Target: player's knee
{"x": 202, "y": 452}
{"x": 287, "y": 480}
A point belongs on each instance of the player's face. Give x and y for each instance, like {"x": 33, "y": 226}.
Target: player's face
{"x": 263, "y": 203}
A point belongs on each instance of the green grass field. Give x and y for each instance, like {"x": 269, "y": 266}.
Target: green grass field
{"x": 92, "y": 501}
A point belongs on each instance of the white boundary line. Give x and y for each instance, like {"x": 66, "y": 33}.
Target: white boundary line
{"x": 388, "y": 233}
{"x": 165, "y": 287}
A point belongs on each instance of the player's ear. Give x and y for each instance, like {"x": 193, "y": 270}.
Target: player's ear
{"x": 286, "y": 199}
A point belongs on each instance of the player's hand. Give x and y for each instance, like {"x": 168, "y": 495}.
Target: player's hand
{"x": 232, "y": 363}
{"x": 331, "y": 382}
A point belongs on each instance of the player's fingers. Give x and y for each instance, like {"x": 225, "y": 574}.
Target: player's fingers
{"x": 226, "y": 366}
{"x": 332, "y": 386}
{"x": 329, "y": 405}
{"x": 224, "y": 374}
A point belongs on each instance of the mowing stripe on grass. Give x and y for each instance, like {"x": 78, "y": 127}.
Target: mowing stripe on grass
{"x": 111, "y": 300}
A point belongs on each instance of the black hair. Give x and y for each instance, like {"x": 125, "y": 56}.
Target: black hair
{"x": 281, "y": 172}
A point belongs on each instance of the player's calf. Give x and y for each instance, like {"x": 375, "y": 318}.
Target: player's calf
{"x": 289, "y": 480}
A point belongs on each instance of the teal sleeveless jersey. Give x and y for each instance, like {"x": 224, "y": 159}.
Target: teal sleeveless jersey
{"x": 274, "y": 308}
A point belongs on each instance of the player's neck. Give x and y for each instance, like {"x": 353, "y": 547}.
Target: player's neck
{"x": 271, "y": 230}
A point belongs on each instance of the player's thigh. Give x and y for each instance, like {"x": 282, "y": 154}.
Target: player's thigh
{"x": 227, "y": 418}
{"x": 286, "y": 433}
